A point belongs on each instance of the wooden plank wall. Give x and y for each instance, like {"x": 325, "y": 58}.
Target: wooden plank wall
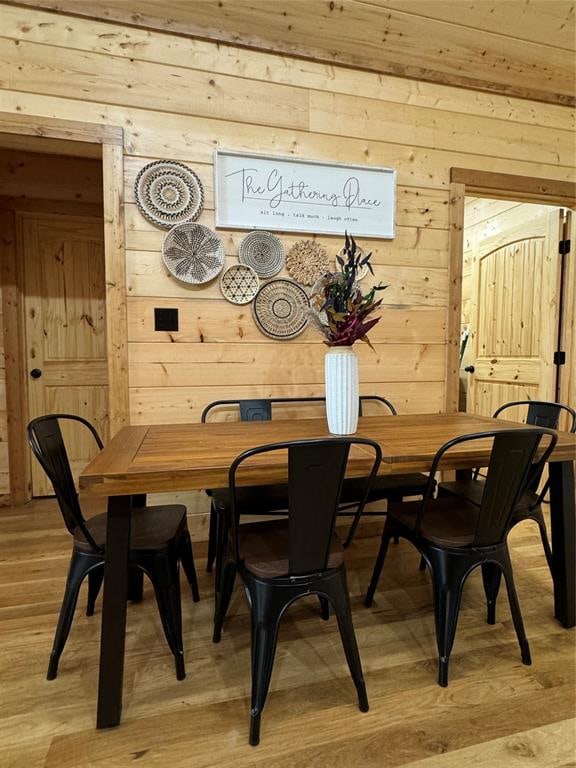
{"x": 515, "y": 47}
{"x": 180, "y": 98}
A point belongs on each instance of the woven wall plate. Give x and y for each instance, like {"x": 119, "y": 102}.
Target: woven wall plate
{"x": 263, "y": 252}
{"x": 307, "y": 261}
{"x": 239, "y": 284}
{"x": 168, "y": 193}
{"x": 280, "y": 309}
{"x": 362, "y": 272}
{"x": 193, "y": 253}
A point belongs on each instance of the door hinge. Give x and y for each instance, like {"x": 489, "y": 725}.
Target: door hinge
{"x": 564, "y": 247}
{"x": 559, "y": 358}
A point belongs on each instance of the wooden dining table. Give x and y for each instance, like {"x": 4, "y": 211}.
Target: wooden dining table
{"x": 176, "y": 457}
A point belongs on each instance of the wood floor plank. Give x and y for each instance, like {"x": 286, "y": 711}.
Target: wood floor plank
{"x": 552, "y": 746}
{"x": 495, "y": 712}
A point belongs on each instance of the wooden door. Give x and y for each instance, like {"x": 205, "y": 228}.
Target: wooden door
{"x": 567, "y": 383}
{"x": 514, "y": 333}
{"x": 65, "y": 333}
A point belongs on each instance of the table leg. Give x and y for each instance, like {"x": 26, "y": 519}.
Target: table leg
{"x": 135, "y": 575}
{"x": 563, "y": 518}
{"x": 114, "y": 612}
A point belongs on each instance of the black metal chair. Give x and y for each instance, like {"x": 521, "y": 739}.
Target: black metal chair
{"x": 298, "y": 556}
{"x": 529, "y": 506}
{"x": 159, "y": 541}
{"x": 266, "y": 499}
{"x": 455, "y": 536}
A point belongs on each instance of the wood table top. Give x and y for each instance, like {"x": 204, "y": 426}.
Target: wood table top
{"x": 148, "y": 459}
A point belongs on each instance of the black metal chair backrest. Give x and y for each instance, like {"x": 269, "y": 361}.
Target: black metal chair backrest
{"x": 512, "y": 466}
{"x": 261, "y": 409}
{"x": 316, "y": 470}
{"x": 541, "y": 413}
{"x": 47, "y": 443}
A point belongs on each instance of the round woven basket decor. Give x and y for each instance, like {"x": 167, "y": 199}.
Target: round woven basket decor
{"x": 239, "y": 284}
{"x": 168, "y": 193}
{"x": 362, "y": 272}
{"x": 307, "y": 261}
{"x": 280, "y": 309}
{"x": 263, "y": 252}
{"x": 193, "y": 253}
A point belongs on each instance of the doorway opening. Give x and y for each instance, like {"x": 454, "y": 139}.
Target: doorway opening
{"x": 51, "y": 213}
{"x": 550, "y": 367}
{"x": 511, "y": 312}
{"x": 40, "y": 308}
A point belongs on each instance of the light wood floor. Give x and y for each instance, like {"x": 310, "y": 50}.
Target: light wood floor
{"x": 495, "y": 711}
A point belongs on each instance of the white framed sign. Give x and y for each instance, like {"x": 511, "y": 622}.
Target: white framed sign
{"x": 289, "y": 195}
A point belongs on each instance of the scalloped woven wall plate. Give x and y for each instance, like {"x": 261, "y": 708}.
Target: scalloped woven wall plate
{"x": 307, "y": 261}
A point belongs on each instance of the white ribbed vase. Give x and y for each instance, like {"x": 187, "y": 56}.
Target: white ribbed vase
{"x": 341, "y": 377}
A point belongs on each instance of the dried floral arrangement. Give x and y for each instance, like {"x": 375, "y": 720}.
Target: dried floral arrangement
{"x": 340, "y": 310}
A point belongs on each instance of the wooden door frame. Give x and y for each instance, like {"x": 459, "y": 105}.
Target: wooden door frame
{"x": 467, "y": 182}
{"x": 106, "y": 142}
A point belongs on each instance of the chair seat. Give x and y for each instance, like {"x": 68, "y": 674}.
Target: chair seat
{"x": 151, "y": 528}
{"x": 383, "y": 487}
{"x": 261, "y": 499}
{"x": 253, "y": 499}
{"x": 448, "y": 521}
{"x": 472, "y": 491}
{"x": 265, "y": 550}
